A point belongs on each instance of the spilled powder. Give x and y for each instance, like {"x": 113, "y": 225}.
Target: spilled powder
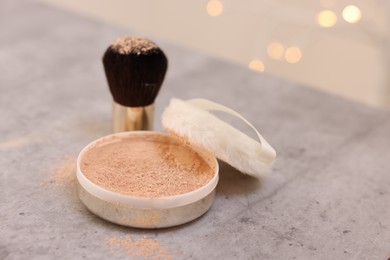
{"x": 144, "y": 248}
{"x": 146, "y": 167}
{"x": 16, "y": 142}
{"x": 64, "y": 174}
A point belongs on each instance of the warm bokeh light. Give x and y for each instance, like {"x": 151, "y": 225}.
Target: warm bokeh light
{"x": 214, "y": 8}
{"x": 256, "y": 65}
{"x": 275, "y": 50}
{"x": 352, "y": 14}
{"x": 326, "y": 18}
{"x": 293, "y": 55}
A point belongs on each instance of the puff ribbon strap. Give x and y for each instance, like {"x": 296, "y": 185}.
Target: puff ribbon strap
{"x": 266, "y": 151}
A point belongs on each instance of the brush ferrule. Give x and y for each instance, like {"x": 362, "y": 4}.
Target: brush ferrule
{"x": 131, "y": 118}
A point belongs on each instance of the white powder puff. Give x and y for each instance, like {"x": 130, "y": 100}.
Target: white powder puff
{"x": 200, "y": 128}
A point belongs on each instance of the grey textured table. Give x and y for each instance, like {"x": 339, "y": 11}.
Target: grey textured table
{"x": 327, "y": 198}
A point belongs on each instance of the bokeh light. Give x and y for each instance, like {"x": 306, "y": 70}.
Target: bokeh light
{"x": 275, "y": 50}
{"x": 352, "y": 14}
{"x": 214, "y": 8}
{"x": 256, "y": 65}
{"x": 326, "y": 18}
{"x": 293, "y": 55}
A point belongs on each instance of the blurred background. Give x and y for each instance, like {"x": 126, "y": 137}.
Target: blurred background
{"x": 337, "y": 46}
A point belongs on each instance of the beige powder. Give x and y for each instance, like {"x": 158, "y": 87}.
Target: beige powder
{"x": 64, "y": 174}
{"x": 146, "y": 167}
{"x": 132, "y": 44}
{"x": 145, "y": 248}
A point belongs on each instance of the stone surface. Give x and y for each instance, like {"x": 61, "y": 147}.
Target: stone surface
{"x": 327, "y": 197}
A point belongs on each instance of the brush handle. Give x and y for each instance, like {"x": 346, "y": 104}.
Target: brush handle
{"x": 131, "y": 118}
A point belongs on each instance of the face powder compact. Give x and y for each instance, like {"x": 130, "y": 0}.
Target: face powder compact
{"x": 148, "y": 179}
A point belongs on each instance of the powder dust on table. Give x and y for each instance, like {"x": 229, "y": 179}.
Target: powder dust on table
{"x": 144, "y": 248}
{"x": 146, "y": 168}
{"x": 64, "y": 174}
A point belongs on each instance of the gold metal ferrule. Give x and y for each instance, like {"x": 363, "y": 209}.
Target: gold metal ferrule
{"x": 131, "y": 118}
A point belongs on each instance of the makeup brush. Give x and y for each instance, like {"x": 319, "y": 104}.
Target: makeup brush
{"x": 135, "y": 69}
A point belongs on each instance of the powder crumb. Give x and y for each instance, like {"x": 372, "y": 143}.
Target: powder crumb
{"x": 145, "y": 167}
{"x": 144, "y": 248}
{"x": 64, "y": 174}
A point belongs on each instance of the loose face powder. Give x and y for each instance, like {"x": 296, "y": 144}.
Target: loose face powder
{"x": 146, "y": 166}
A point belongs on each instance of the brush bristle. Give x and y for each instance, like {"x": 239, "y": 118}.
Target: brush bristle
{"x": 135, "y": 69}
